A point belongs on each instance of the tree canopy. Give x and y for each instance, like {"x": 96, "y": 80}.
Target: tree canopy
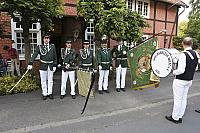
{"x": 32, "y": 11}
{"x": 182, "y": 27}
{"x": 194, "y": 21}
{"x": 112, "y": 18}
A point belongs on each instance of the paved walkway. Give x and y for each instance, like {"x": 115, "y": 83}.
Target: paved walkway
{"x": 24, "y": 110}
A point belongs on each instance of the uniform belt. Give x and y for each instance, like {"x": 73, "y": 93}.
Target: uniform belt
{"x": 105, "y": 62}
{"x": 46, "y": 61}
{"x": 87, "y": 64}
{"x": 122, "y": 58}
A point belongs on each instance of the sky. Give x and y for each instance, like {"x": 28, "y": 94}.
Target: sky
{"x": 184, "y": 15}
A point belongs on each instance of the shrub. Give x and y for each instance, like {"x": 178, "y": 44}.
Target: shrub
{"x": 27, "y": 84}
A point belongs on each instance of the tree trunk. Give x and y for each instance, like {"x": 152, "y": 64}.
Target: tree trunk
{"x": 97, "y": 40}
{"x": 25, "y": 25}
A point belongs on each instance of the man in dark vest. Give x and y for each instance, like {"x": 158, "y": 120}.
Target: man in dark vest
{"x": 187, "y": 64}
{"x": 48, "y": 63}
{"x": 68, "y": 54}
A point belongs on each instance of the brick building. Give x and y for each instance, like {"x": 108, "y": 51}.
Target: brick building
{"x": 160, "y": 14}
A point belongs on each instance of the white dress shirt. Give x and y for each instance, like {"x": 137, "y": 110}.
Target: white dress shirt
{"x": 182, "y": 62}
{"x": 46, "y": 45}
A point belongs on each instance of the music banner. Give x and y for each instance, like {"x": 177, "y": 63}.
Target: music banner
{"x": 140, "y": 64}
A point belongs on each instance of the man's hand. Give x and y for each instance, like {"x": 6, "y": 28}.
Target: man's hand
{"x": 67, "y": 66}
{"x": 29, "y": 67}
{"x": 54, "y": 69}
{"x": 100, "y": 67}
{"x": 110, "y": 67}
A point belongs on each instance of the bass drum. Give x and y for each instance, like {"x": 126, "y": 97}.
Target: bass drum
{"x": 163, "y": 61}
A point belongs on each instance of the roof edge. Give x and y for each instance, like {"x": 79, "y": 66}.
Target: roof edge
{"x": 176, "y": 2}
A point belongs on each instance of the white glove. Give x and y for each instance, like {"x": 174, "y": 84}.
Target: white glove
{"x": 54, "y": 69}
{"x": 110, "y": 68}
{"x": 59, "y": 65}
{"x": 124, "y": 52}
{"x": 100, "y": 67}
{"x": 29, "y": 67}
{"x": 95, "y": 71}
{"x": 67, "y": 66}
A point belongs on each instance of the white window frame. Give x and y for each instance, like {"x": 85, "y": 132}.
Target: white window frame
{"x": 132, "y": 5}
{"x": 148, "y": 10}
{"x": 15, "y": 30}
{"x": 90, "y": 33}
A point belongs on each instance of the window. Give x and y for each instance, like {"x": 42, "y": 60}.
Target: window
{"x": 130, "y": 5}
{"x": 143, "y": 8}
{"x": 89, "y": 34}
{"x": 35, "y": 37}
{"x": 20, "y": 43}
{"x": 140, "y": 7}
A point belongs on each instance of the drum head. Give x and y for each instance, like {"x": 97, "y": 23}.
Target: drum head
{"x": 161, "y": 63}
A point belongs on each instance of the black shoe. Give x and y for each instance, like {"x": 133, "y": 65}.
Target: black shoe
{"x": 180, "y": 120}
{"x": 44, "y": 97}
{"x": 117, "y": 89}
{"x": 107, "y": 91}
{"x": 198, "y": 111}
{"x": 169, "y": 118}
{"x": 100, "y": 92}
{"x": 62, "y": 96}
{"x": 123, "y": 89}
{"x": 73, "y": 97}
{"x": 51, "y": 96}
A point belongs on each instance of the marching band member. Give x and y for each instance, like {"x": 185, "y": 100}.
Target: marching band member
{"x": 121, "y": 64}
{"x": 104, "y": 61}
{"x": 187, "y": 63}
{"x": 48, "y": 63}
{"x": 68, "y": 55}
{"x": 86, "y": 57}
